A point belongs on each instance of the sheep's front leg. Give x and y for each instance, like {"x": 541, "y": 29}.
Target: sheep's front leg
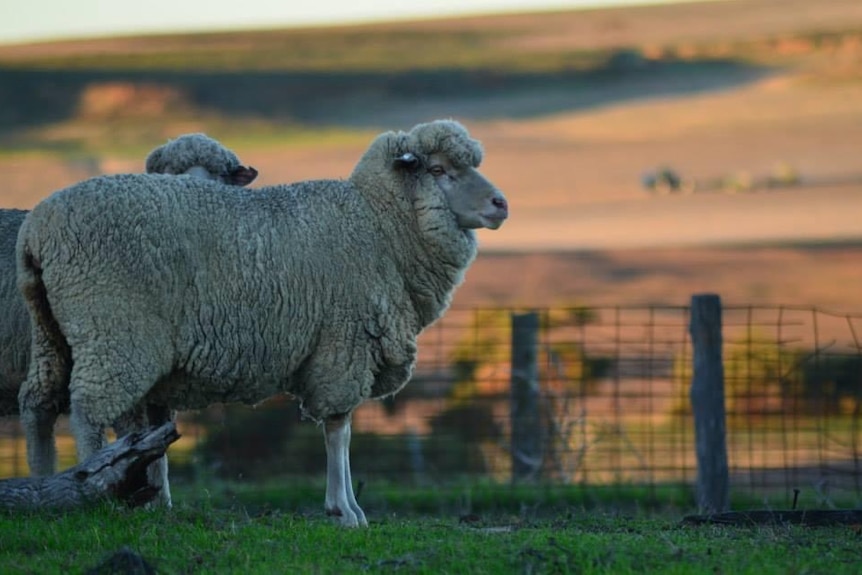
{"x": 157, "y": 472}
{"x": 340, "y": 500}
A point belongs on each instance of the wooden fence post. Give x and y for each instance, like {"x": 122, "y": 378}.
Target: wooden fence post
{"x": 707, "y": 402}
{"x": 527, "y": 435}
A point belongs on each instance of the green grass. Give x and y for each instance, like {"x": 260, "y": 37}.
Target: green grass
{"x": 203, "y": 538}
{"x": 471, "y": 496}
{"x": 452, "y": 498}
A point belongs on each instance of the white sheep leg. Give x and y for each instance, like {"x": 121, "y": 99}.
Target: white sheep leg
{"x": 41, "y": 446}
{"x": 351, "y": 497}
{"x": 157, "y": 472}
{"x": 340, "y": 500}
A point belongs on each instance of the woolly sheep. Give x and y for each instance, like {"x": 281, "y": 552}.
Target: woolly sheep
{"x": 200, "y": 156}
{"x": 193, "y": 154}
{"x": 185, "y": 293}
{"x": 15, "y": 327}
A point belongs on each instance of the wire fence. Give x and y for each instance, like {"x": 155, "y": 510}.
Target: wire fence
{"x": 614, "y": 395}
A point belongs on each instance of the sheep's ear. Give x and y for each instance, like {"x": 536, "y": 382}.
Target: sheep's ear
{"x": 241, "y": 176}
{"x": 407, "y": 160}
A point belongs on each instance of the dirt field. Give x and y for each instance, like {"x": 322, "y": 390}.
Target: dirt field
{"x": 828, "y": 277}
{"x": 583, "y": 229}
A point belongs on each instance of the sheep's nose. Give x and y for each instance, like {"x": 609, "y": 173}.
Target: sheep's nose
{"x": 500, "y": 202}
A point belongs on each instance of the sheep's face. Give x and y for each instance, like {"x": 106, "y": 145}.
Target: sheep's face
{"x": 200, "y": 172}
{"x": 475, "y": 201}
{"x": 239, "y": 176}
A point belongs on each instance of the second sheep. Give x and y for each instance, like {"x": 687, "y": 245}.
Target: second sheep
{"x": 196, "y": 155}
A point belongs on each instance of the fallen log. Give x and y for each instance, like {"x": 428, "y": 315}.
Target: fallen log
{"x": 118, "y": 472}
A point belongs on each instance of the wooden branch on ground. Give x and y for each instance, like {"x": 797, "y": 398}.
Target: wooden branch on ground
{"x": 811, "y": 517}
{"x": 118, "y": 472}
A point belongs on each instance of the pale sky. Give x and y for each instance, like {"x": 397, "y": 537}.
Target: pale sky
{"x": 34, "y": 20}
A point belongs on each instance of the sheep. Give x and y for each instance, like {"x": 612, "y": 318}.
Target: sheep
{"x": 183, "y": 293}
{"x": 15, "y": 327}
{"x": 200, "y": 156}
{"x": 193, "y": 154}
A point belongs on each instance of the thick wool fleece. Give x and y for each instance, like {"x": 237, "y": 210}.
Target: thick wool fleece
{"x": 175, "y": 157}
{"x": 189, "y": 292}
{"x": 14, "y": 326}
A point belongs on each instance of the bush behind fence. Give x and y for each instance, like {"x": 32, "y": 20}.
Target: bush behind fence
{"x": 612, "y": 407}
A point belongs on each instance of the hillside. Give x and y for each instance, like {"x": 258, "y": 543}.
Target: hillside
{"x": 574, "y": 109}
{"x": 373, "y": 76}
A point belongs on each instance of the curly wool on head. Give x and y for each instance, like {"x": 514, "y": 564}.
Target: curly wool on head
{"x": 449, "y": 138}
{"x": 208, "y": 293}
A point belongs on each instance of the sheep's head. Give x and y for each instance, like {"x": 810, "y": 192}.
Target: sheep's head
{"x": 444, "y": 150}
{"x": 200, "y": 156}
{"x": 238, "y": 176}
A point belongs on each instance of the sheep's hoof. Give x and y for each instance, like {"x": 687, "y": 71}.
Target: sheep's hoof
{"x": 348, "y": 519}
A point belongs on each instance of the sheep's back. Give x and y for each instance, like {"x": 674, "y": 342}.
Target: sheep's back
{"x": 243, "y": 281}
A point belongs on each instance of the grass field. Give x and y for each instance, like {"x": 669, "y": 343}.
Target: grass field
{"x": 219, "y": 537}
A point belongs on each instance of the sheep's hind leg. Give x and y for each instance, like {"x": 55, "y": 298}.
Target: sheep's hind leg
{"x": 110, "y": 377}
{"x": 41, "y": 398}
{"x": 38, "y": 428}
{"x": 340, "y": 499}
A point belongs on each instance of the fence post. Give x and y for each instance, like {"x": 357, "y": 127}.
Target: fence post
{"x": 707, "y": 403}
{"x": 527, "y": 436}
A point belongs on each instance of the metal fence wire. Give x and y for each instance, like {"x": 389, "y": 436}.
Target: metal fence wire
{"x": 614, "y": 406}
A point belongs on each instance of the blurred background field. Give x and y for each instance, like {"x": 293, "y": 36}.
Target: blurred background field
{"x": 755, "y": 105}
{"x": 575, "y": 110}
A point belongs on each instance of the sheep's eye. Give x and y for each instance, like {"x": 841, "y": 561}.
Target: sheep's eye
{"x": 437, "y": 171}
